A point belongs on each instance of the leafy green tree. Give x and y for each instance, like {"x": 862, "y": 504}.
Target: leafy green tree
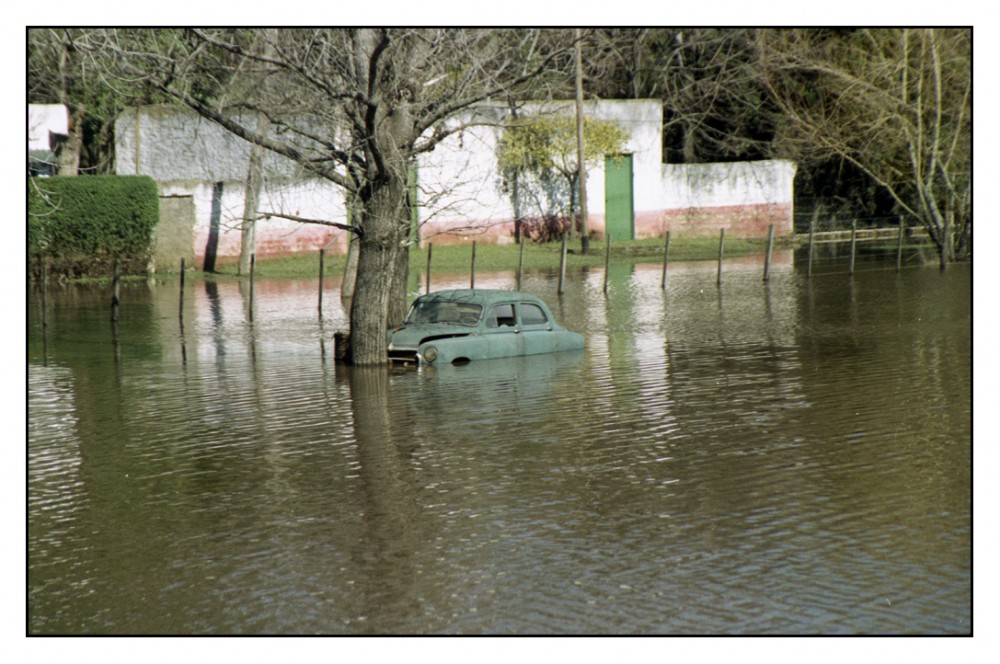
{"x": 539, "y": 149}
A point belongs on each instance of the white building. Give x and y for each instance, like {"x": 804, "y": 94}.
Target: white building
{"x": 46, "y": 124}
{"x": 458, "y": 187}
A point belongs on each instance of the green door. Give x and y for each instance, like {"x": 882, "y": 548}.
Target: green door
{"x": 618, "y": 197}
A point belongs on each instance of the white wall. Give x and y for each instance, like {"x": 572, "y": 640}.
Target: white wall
{"x": 45, "y": 118}
{"x": 460, "y": 188}
{"x": 727, "y": 184}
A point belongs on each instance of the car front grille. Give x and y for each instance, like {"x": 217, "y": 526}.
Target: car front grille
{"x": 403, "y": 356}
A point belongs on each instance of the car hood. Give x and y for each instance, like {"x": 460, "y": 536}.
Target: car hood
{"x": 411, "y": 336}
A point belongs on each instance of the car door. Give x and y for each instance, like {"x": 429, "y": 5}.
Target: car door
{"x": 501, "y": 332}
{"x": 536, "y": 328}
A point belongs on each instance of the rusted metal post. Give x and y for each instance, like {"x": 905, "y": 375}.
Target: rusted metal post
{"x": 562, "y": 265}
{"x": 722, "y": 242}
{"x": 666, "y": 254}
{"x": 767, "y": 257}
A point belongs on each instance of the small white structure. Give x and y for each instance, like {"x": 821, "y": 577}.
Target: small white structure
{"x": 46, "y": 122}
{"x": 458, "y": 187}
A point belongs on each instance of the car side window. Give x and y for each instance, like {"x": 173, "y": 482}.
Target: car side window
{"x": 532, "y": 314}
{"x": 502, "y": 315}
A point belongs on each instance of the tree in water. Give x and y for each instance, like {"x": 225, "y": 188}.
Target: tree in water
{"x": 352, "y": 106}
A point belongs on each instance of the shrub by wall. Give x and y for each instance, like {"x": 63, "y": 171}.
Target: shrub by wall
{"x": 81, "y": 224}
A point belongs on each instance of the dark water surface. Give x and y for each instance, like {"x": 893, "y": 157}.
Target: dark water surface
{"x": 785, "y": 458}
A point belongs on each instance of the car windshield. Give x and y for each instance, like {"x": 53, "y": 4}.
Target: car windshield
{"x": 439, "y": 311}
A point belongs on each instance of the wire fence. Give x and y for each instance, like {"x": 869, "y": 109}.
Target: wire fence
{"x": 864, "y": 243}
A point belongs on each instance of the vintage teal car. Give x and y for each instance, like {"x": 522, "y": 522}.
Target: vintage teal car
{"x": 459, "y": 326}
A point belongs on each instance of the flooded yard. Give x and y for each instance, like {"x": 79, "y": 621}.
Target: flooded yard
{"x": 790, "y": 457}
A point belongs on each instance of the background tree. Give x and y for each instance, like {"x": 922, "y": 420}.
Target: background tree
{"x": 57, "y": 75}
{"x": 894, "y": 105}
{"x": 351, "y": 106}
{"x": 714, "y": 107}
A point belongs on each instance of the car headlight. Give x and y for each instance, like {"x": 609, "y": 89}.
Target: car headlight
{"x": 430, "y": 354}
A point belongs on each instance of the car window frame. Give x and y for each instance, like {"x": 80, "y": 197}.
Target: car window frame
{"x": 501, "y": 328}
{"x": 547, "y": 319}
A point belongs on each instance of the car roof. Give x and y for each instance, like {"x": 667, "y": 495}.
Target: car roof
{"x": 483, "y": 296}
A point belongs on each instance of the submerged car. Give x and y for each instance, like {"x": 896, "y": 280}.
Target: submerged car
{"x": 458, "y": 326}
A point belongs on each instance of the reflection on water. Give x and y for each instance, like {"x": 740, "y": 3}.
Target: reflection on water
{"x": 789, "y": 457}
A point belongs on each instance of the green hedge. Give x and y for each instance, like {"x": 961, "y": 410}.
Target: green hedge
{"x": 81, "y": 224}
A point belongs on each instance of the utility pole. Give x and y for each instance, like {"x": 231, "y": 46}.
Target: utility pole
{"x": 580, "y": 162}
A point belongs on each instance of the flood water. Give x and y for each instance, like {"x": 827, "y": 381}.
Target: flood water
{"x": 783, "y": 458}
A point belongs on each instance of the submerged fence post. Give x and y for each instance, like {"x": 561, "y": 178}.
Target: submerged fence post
{"x": 430, "y": 248}
{"x": 520, "y": 263}
{"x": 767, "y": 258}
{"x": 472, "y": 272}
{"x": 562, "y": 265}
{"x": 854, "y": 242}
{"x": 45, "y": 308}
{"x": 607, "y": 263}
{"x": 899, "y": 245}
{"x": 115, "y": 290}
{"x": 722, "y": 242}
{"x": 812, "y": 232}
{"x": 666, "y": 254}
{"x": 322, "y": 252}
{"x": 180, "y": 307}
{"x": 253, "y": 263}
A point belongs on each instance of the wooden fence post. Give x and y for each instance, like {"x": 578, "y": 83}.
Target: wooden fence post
{"x": 472, "y": 272}
{"x": 899, "y": 246}
{"x": 666, "y": 254}
{"x": 812, "y": 232}
{"x": 767, "y": 258}
{"x": 854, "y": 242}
{"x": 180, "y": 307}
{"x": 520, "y": 263}
{"x": 430, "y": 248}
{"x": 562, "y": 265}
{"x": 44, "y": 267}
{"x": 253, "y": 262}
{"x": 322, "y": 252}
{"x": 607, "y": 263}
{"x": 722, "y": 242}
{"x": 115, "y": 290}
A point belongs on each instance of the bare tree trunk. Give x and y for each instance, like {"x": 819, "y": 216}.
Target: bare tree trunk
{"x": 255, "y": 171}
{"x": 398, "y": 304}
{"x": 251, "y": 203}
{"x": 376, "y": 283}
{"x": 350, "y": 270}
{"x": 580, "y": 148}
{"x": 69, "y": 154}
